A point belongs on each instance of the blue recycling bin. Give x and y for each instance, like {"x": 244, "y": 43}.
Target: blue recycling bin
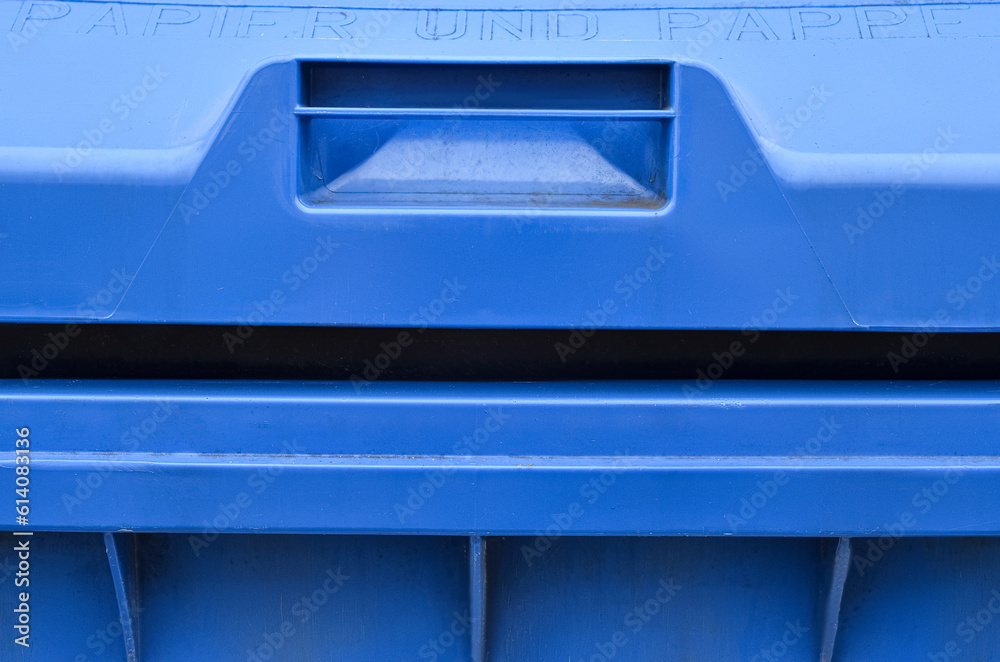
{"x": 176, "y": 177}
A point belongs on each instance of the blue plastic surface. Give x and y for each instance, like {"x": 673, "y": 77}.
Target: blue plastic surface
{"x": 292, "y": 164}
{"x": 852, "y": 456}
{"x": 558, "y": 165}
{"x": 541, "y": 521}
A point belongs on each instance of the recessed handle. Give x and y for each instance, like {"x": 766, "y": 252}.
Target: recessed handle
{"x": 507, "y": 136}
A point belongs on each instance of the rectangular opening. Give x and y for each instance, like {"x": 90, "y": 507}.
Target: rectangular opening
{"x": 484, "y": 136}
{"x": 525, "y": 87}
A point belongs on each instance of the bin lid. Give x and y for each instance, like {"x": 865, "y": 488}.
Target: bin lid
{"x": 683, "y": 165}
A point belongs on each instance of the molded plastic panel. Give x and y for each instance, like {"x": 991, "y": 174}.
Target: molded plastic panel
{"x": 764, "y": 458}
{"x": 939, "y": 598}
{"x": 641, "y": 160}
{"x": 350, "y": 598}
{"x": 547, "y": 597}
{"x": 73, "y": 612}
{"x": 655, "y": 598}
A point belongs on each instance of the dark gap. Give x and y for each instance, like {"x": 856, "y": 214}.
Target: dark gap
{"x": 492, "y": 86}
{"x": 136, "y": 351}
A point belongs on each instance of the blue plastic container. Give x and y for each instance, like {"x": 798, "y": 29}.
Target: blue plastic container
{"x": 561, "y": 165}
